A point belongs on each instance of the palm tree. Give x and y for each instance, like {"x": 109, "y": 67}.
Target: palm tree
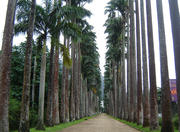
{"x": 47, "y": 11}
{"x": 139, "y": 77}
{"x": 5, "y": 65}
{"x": 175, "y": 24}
{"x": 167, "y": 125}
{"x": 24, "y": 120}
{"x": 133, "y": 91}
{"x": 49, "y": 111}
{"x": 56, "y": 119}
{"x": 145, "y": 72}
{"x": 40, "y": 125}
{"x": 153, "y": 90}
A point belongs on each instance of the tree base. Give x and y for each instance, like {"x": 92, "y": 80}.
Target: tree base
{"x": 40, "y": 126}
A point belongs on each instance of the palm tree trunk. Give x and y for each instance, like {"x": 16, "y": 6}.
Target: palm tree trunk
{"x": 128, "y": 72}
{"x": 67, "y": 91}
{"x": 76, "y": 83}
{"x": 139, "y": 78}
{"x": 40, "y": 124}
{"x": 62, "y": 110}
{"x": 175, "y": 24}
{"x": 56, "y": 84}
{"x": 167, "y": 125}
{"x": 133, "y": 101}
{"x": 146, "y": 114}
{"x": 152, "y": 71}
{"x": 24, "y": 118}
{"x": 5, "y": 64}
{"x": 86, "y": 97}
{"x": 34, "y": 79}
{"x": 49, "y": 112}
{"x": 79, "y": 78}
{"x": 72, "y": 101}
{"x": 124, "y": 103}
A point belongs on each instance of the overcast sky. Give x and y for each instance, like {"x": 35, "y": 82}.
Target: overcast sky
{"x": 98, "y": 18}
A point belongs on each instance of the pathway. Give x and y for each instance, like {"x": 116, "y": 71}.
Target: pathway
{"x": 101, "y": 123}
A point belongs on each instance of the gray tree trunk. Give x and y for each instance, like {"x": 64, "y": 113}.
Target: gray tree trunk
{"x": 128, "y": 71}
{"x": 139, "y": 77}
{"x": 62, "y": 110}
{"x": 34, "y": 79}
{"x": 67, "y": 90}
{"x": 5, "y": 64}
{"x": 72, "y": 101}
{"x": 133, "y": 99}
{"x": 40, "y": 124}
{"x": 146, "y": 108}
{"x": 49, "y": 112}
{"x": 175, "y": 24}
{"x": 56, "y": 119}
{"x": 153, "y": 90}
{"x": 167, "y": 125}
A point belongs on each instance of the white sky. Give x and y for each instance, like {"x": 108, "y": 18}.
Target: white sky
{"x": 98, "y": 18}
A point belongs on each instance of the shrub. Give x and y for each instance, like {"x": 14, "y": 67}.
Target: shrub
{"x": 14, "y": 115}
{"x": 176, "y": 122}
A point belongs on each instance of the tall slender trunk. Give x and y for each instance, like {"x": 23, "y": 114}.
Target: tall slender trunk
{"x": 67, "y": 90}
{"x": 40, "y": 124}
{"x": 56, "y": 84}
{"x": 146, "y": 108}
{"x": 114, "y": 89}
{"x": 124, "y": 103}
{"x": 128, "y": 72}
{"x": 79, "y": 78}
{"x": 86, "y": 97}
{"x": 72, "y": 103}
{"x": 62, "y": 110}
{"x": 34, "y": 79}
{"x": 139, "y": 78}
{"x": 133, "y": 65}
{"x": 175, "y": 23}
{"x": 152, "y": 71}
{"x": 49, "y": 112}
{"x": 24, "y": 118}
{"x": 119, "y": 101}
{"x": 79, "y": 81}
{"x": 5, "y": 64}
{"x": 167, "y": 125}
{"x": 76, "y": 83}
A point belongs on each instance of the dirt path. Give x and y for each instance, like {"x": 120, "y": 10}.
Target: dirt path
{"x": 101, "y": 123}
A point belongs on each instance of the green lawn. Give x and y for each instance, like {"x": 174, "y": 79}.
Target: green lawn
{"x": 61, "y": 126}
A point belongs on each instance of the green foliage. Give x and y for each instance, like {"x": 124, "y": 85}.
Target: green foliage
{"x": 176, "y": 122}
{"x": 14, "y": 114}
{"x": 17, "y": 69}
{"x": 67, "y": 61}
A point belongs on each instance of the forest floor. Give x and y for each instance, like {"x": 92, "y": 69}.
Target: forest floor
{"x": 100, "y": 123}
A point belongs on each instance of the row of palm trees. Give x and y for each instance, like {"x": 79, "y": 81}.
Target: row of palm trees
{"x": 130, "y": 97}
{"x": 80, "y": 95}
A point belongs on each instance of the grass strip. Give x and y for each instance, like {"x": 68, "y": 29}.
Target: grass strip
{"x": 138, "y": 127}
{"x": 61, "y": 126}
